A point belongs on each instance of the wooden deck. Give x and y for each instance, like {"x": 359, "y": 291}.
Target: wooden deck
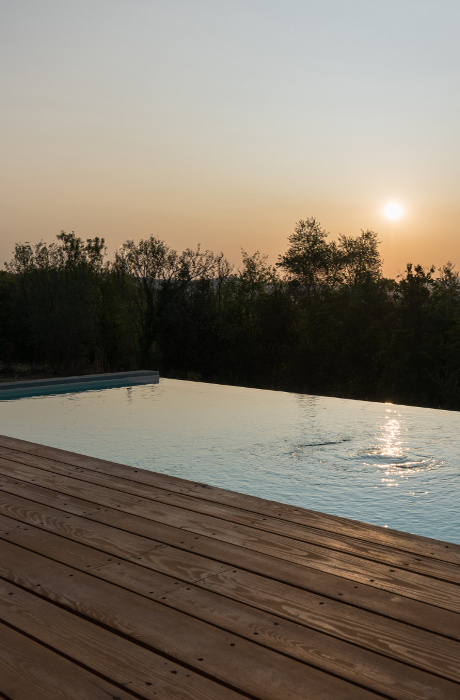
{"x": 119, "y": 583}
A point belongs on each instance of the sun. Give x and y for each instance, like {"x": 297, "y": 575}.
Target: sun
{"x": 393, "y": 211}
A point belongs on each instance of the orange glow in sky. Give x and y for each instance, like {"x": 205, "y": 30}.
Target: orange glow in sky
{"x": 225, "y": 123}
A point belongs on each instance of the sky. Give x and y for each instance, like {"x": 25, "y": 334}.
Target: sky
{"x": 224, "y": 123}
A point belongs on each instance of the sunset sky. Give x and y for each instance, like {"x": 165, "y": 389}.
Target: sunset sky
{"x": 224, "y": 122}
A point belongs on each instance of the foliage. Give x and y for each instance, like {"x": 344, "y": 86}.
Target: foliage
{"x": 322, "y": 320}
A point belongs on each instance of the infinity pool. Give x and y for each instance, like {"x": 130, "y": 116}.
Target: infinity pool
{"x": 385, "y": 464}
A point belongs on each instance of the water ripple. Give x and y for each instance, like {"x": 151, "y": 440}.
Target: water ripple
{"x": 390, "y": 465}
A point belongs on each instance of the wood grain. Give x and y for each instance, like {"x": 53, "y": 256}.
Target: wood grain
{"x": 397, "y": 581}
{"x": 223, "y": 656}
{"x": 102, "y": 538}
{"x": 422, "y": 564}
{"x": 211, "y": 593}
{"x": 424, "y": 650}
{"x": 415, "y": 544}
{"x": 29, "y": 671}
{"x": 396, "y": 607}
{"x": 126, "y": 663}
{"x": 356, "y": 664}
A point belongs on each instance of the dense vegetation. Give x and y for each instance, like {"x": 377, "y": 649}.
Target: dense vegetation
{"x": 323, "y": 320}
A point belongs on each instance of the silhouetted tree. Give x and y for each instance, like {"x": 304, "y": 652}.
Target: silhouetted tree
{"x": 322, "y": 320}
{"x": 309, "y": 258}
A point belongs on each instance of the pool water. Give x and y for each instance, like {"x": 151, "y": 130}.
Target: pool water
{"x": 390, "y": 465}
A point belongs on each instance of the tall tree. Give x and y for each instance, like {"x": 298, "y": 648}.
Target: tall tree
{"x": 358, "y": 259}
{"x": 309, "y": 258}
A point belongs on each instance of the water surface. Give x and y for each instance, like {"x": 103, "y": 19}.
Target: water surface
{"x": 390, "y": 465}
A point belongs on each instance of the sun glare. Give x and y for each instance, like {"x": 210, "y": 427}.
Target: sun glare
{"x": 393, "y": 211}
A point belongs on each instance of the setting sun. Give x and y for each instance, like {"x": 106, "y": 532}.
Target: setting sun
{"x": 393, "y": 211}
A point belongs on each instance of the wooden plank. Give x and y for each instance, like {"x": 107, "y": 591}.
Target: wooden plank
{"x": 243, "y": 665}
{"x": 354, "y": 663}
{"x": 445, "y": 551}
{"x": 125, "y": 544}
{"x": 365, "y": 597}
{"x": 415, "y": 647}
{"x": 397, "y": 581}
{"x": 347, "y": 661}
{"x": 105, "y": 539}
{"x": 29, "y": 670}
{"x": 124, "y": 662}
{"x": 243, "y": 603}
{"x": 383, "y": 554}
{"x": 69, "y": 549}
{"x": 161, "y": 568}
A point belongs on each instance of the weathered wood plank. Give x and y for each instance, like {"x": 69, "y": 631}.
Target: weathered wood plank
{"x": 159, "y": 564}
{"x": 399, "y": 608}
{"x": 349, "y": 661}
{"x": 383, "y": 554}
{"x": 345, "y": 660}
{"x": 415, "y": 647}
{"x": 162, "y": 569}
{"x": 105, "y": 539}
{"x": 30, "y": 671}
{"x": 126, "y": 663}
{"x": 397, "y": 581}
{"x": 416, "y": 544}
{"x": 243, "y": 665}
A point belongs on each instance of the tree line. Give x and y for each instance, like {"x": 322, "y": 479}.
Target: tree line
{"x": 322, "y": 320}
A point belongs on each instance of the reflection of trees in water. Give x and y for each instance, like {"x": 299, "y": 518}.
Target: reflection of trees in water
{"x": 309, "y": 405}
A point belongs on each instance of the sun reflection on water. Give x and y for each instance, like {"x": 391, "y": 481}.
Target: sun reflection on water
{"x": 391, "y": 438}
{"x": 393, "y": 452}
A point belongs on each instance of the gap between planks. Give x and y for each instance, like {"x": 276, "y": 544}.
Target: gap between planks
{"x": 398, "y": 581}
{"x": 356, "y": 529}
{"x": 346, "y": 544}
{"x": 137, "y": 581}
